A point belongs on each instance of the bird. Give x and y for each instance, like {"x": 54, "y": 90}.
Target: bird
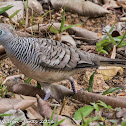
{"x": 46, "y": 60}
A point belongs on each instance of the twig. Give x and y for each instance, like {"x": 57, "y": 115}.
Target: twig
{"x": 88, "y": 97}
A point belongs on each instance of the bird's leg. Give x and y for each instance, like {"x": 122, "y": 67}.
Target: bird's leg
{"x": 46, "y": 89}
{"x": 72, "y": 84}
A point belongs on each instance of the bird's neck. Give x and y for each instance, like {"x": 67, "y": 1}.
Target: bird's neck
{"x": 9, "y": 44}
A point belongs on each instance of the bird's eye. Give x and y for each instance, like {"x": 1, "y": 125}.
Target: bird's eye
{"x": 1, "y": 32}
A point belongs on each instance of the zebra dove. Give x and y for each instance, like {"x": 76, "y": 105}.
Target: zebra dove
{"x": 46, "y": 60}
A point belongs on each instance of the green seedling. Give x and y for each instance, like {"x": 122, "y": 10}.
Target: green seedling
{"x": 15, "y": 13}
{"x": 4, "y": 9}
{"x": 91, "y": 80}
{"x": 110, "y": 90}
{"x": 62, "y": 27}
{"x": 106, "y": 45}
{"x": 84, "y": 112}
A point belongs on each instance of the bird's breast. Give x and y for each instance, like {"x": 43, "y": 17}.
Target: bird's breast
{"x": 42, "y": 74}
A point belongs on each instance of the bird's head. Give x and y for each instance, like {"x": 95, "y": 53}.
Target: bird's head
{"x": 7, "y": 33}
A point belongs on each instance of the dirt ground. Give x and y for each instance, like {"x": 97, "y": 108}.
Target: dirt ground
{"x": 93, "y": 24}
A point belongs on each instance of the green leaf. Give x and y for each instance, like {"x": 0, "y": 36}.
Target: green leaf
{"x": 110, "y": 90}
{"x": 84, "y": 111}
{"x": 123, "y": 123}
{"x": 101, "y": 45}
{"x": 91, "y": 80}
{"x": 45, "y": 124}
{"x": 3, "y": 9}
{"x": 16, "y": 12}
{"x": 63, "y": 20}
{"x": 44, "y": 15}
{"x": 104, "y": 105}
{"x": 53, "y": 29}
{"x": 111, "y": 38}
{"x": 38, "y": 85}
{"x": 27, "y": 4}
{"x": 103, "y": 42}
{"x": 104, "y": 51}
{"x": 118, "y": 38}
{"x": 28, "y": 80}
{"x": 2, "y": 115}
{"x": 51, "y": 118}
{"x": 95, "y": 106}
{"x": 112, "y": 27}
{"x": 69, "y": 26}
{"x": 56, "y": 121}
{"x": 88, "y": 121}
{"x": 113, "y": 121}
{"x": 109, "y": 31}
{"x": 22, "y": 22}
{"x": 122, "y": 39}
{"x": 122, "y": 44}
{"x": 13, "y": 122}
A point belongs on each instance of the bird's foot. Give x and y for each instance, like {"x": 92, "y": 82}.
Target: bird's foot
{"x": 47, "y": 96}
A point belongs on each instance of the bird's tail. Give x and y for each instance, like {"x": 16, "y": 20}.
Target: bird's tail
{"x": 114, "y": 62}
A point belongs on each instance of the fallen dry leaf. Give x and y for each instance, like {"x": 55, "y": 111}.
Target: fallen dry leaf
{"x": 108, "y": 72}
{"x": 110, "y": 3}
{"x": 84, "y": 8}
{"x": 122, "y": 4}
{"x": 46, "y": 111}
{"x": 80, "y": 33}
{"x": 7, "y": 104}
{"x": 121, "y": 113}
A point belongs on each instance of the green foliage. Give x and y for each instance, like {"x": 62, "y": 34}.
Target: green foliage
{"x": 104, "y": 105}
{"x": 86, "y": 122}
{"x": 83, "y": 112}
{"x": 63, "y": 20}
{"x": 53, "y": 29}
{"x": 13, "y": 122}
{"x": 91, "y": 80}
{"x": 51, "y": 119}
{"x": 62, "y": 28}
{"x": 44, "y": 15}
{"x": 122, "y": 43}
{"x": 110, "y": 90}
{"x": 15, "y": 13}
{"x": 22, "y": 22}
{"x": 28, "y": 80}
{"x": 95, "y": 105}
{"x": 38, "y": 85}
{"x": 106, "y": 44}
{"x": 58, "y": 123}
{"x": 3, "y": 90}
{"x": 4, "y": 9}
{"x": 123, "y": 123}
{"x": 27, "y": 4}
{"x": 2, "y": 115}
{"x": 50, "y": 123}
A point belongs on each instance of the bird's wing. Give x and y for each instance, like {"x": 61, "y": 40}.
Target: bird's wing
{"x": 56, "y": 55}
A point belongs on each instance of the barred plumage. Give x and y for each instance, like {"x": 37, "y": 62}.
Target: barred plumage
{"x": 47, "y": 60}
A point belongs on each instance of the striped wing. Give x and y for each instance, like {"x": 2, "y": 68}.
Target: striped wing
{"x": 56, "y": 55}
